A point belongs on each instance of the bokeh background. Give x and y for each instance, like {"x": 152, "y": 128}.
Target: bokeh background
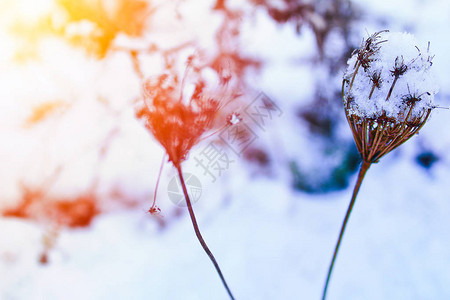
{"x": 79, "y": 169}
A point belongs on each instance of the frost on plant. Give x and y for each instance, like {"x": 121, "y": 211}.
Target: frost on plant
{"x": 385, "y": 74}
{"x": 388, "y": 92}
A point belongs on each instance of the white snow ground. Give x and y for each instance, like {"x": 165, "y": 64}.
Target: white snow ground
{"x": 271, "y": 242}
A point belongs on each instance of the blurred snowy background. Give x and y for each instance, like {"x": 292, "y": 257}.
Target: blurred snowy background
{"x": 79, "y": 169}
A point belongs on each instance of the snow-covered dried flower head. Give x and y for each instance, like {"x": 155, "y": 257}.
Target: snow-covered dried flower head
{"x": 175, "y": 121}
{"x": 388, "y": 92}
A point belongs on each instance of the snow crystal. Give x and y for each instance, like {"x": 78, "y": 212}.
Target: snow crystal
{"x": 389, "y": 76}
{"x": 234, "y": 119}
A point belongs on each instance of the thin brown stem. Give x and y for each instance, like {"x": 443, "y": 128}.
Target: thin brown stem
{"x": 392, "y": 88}
{"x": 378, "y": 137}
{"x": 199, "y": 235}
{"x": 364, "y": 135}
{"x": 354, "y": 129}
{"x": 362, "y": 172}
{"x": 354, "y": 75}
{"x": 372, "y": 90}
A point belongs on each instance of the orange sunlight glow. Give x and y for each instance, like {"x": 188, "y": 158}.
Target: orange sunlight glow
{"x": 90, "y": 24}
{"x": 60, "y": 114}
{"x": 75, "y": 76}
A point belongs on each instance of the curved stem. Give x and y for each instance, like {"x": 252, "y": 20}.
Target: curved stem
{"x": 157, "y": 183}
{"x": 199, "y": 235}
{"x": 362, "y": 172}
{"x": 214, "y": 132}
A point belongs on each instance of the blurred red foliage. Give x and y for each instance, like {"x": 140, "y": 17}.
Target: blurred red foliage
{"x": 70, "y": 212}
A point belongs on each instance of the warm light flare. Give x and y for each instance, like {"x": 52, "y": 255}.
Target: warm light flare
{"x": 54, "y": 81}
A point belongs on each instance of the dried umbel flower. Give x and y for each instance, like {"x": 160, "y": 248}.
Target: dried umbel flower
{"x": 178, "y": 122}
{"x": 388, "y": 92}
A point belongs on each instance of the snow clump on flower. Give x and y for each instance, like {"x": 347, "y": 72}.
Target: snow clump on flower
{"x": 389, "y": 76}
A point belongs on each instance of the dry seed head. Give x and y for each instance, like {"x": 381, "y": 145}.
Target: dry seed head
{"x": 388, "y": 92}
{"x": 177, "y": 122}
